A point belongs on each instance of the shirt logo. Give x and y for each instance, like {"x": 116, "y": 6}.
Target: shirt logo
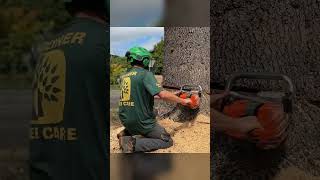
{"x": 125, "y": 99}
{"x": 125, "y": 89}
{"x": 49, "y": 89}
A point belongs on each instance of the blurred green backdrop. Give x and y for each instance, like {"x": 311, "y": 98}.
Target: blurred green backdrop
{"x": 23, "y": 25}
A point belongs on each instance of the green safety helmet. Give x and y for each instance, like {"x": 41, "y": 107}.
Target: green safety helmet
{"x": 139, "y": 54}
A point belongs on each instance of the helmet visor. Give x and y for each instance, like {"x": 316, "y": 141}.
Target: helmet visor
{"x": 151, "y": 63}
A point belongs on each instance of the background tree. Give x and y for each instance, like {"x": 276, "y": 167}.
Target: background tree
{"x": 118, "y": 66}
{"x": 268, "y": 36}
{"x": 157, "y": 54}
{"x": 23, "y": 24}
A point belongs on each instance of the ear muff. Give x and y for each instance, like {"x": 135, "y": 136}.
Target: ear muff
{"x": 127, "y": 54}
{"x": 129, "y": 58}
{"x": 146, "y": 62}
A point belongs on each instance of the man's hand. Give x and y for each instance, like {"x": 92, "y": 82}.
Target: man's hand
{"x": 192, "y": 102}
{"x": 243, "y": 128}
{"x": 216, "y": 99}
{"x": 186, "y": 102}
{"x": 171, "y": 97}
{"x": 235, "y": 127}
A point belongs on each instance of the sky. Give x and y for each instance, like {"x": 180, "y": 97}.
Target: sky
{"x": 123, "y": 38}
{"x": 137, "y": 13}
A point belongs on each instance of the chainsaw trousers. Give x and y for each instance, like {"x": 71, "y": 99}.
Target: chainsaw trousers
{"x": 157, "y": 138}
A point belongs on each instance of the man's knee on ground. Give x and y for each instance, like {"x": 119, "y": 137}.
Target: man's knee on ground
{"x": 169, "y": 142}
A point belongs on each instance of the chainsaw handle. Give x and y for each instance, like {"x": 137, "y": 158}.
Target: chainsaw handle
{"x": 286, "y": 100}
{"x": 266, "y": 76}
{"x": 242, "y": 96}
{"x": 190, "y": 87}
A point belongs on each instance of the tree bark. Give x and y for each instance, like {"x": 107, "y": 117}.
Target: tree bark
{"x": 268, "y": 36}
{"x": 187, "y": 61}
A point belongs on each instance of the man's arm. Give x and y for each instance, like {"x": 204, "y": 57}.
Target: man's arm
{"x": 171, "y": 97}
{"x": 150, "y": 84}
{"x": 224, "y": 123}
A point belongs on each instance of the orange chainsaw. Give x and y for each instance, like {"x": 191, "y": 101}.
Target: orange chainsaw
{"x": 193, "y": 92}
{"x": 270, "y": 107}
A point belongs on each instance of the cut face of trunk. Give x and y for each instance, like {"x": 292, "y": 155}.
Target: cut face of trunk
{"x": 268, "y": 36}
{"x": 187, "y": 62}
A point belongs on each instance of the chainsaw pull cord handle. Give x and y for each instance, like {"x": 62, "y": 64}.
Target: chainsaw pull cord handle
{"x": 286, "y": 99}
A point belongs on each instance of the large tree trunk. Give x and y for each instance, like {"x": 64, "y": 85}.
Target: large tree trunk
{"x": 268, "y": 36}
{"x": 187, "y": 61}
{"x": 272, "y": 36}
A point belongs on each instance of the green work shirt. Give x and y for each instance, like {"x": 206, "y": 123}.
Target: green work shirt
{"x": 138, "y": 88}
{"x": 68, "y": 135}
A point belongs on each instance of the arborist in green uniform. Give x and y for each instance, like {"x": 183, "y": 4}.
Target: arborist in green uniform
{"x": 68, "y": 134}
{"x": 138, "y": 90}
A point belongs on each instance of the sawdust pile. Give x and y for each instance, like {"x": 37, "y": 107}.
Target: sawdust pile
{"x": 188, "y": 137}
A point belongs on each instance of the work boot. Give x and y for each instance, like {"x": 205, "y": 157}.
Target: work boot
{"x": 122, "y": 134}
{"x": 127, "y": 144}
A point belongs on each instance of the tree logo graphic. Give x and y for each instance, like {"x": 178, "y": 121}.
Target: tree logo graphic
{"x": 49, "y": 89}
{"x": 125, "y": 89}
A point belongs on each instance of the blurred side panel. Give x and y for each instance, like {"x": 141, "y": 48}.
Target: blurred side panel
{"x": 160, "y": 166}
{"x": 188, "y": 13}
{"x": 136, "y": 13}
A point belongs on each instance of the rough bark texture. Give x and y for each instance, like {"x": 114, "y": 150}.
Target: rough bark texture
{"x": 268, "y": 36}
{"x": 187, "y": 61}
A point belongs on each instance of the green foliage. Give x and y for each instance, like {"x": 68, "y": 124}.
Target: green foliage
{"x": 118, "y": 65}
{"x": 23, "y": 24}
{"x": 157, "y": 54}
